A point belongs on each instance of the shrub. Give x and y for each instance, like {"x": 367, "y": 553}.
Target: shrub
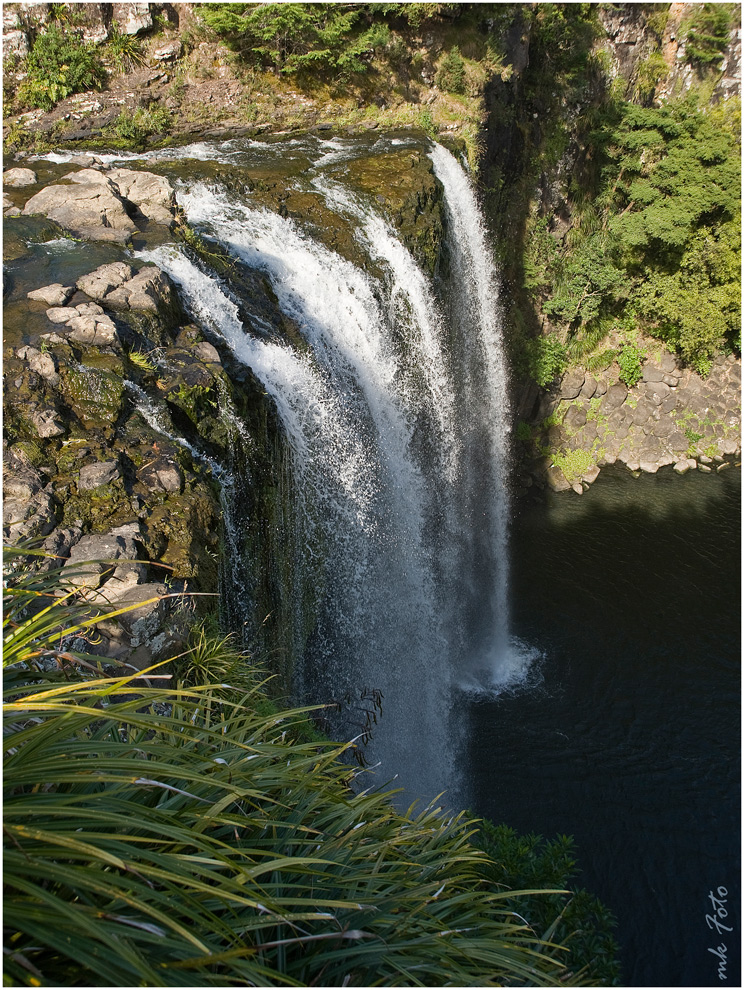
{"x": 182, "y": 837}
{"x": 629, "y": 360}
{"x": 141, "y": 123}
{"x": 708, "y": 33}
{"x": 58, "y": 65}
{"x": 546, "y": 359}
{"x": 573, "y": 916}
{"x": 125, "y": 50}
{"x": 451, "y": 74}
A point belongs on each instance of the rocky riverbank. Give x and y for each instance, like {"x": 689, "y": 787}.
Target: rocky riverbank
{"x": 107, "y": 390}
{"x": 671, "y": 417}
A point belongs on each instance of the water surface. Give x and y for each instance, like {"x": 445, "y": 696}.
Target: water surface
{"x": 630, "y": 740}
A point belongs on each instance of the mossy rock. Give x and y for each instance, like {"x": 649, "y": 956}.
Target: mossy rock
{"x": 404, "y": 184}
{"x": 183, "y": 532}
{"x": 94, "y": 395}
{"x": 99, "y": 510}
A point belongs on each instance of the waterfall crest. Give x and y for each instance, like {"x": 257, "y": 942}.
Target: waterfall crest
{"x": 395, "y": 413}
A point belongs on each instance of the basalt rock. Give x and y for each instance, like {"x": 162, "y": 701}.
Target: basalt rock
{"x": 670, "y": 417}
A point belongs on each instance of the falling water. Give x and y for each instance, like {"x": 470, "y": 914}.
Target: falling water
{"x": 395, "y": 416}
{"x": 155, "y": 416}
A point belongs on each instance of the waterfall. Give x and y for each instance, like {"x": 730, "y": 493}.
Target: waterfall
{"x": 394, "y": 408}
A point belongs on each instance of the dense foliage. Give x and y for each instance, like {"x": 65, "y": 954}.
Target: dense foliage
{"x": 708, "y": 33}
{"x": 658, "y": 246}
{"x": 60, "y": 64}
{"x": 571, "y": 917}
{"x": 194, "y": 836}
{"x": 640, "y": 232}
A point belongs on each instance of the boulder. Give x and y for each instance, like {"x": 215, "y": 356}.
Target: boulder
{"x": 667, "y": 363}
{"x": 169, "y": 52}
{"x": 92, "y": 330}
{"x": 556, "y": 479}
{"x": 61, "y": 314}
{"x": 58, "y": 545}
{"x": 90, "y": 207}
{"x": 643, "y": 412}
{"x": 46, "y": 423}
{"x": 91, "y": 559}
{"x": 100, "y": 282}
{"x": 132, "y": 17}
{"x": 652, "y": 374}
{"x": 89, "y": 309}
{"x": 206, "y": 352}
{"x": 53, "y": 295}
{"x": 589, "y": 388}
{"x": 575, "y": 418}
{"x": 659, "y": 389}
{"x": 17, "y": 178}
{"x": 42, "y": 364}
{"x": 162, "y": 475}
{"x": 729, "y": 445}
{"x": 98, "y": 474}
{"x": 571, "y": 384}
{"x": 614, "y": 398}
{"x": 25, "y": 518}
{"x": 618, "y": 424}
{"x": 149, "y": 290}
{"x": 153, "y": 194}
{"x": 591, "y": 474}
{"x": 22, "y": 482}
{"x": 664, "y": 427}
{"x": 677, "y": 442}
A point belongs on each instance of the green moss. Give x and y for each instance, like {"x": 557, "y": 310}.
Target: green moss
{"x": 574, "y": 463}
{"x": 95, "y": 396}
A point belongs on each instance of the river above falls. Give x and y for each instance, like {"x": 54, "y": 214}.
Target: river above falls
{"x": 630, "y": 740}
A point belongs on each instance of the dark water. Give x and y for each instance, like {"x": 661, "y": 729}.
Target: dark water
{"x": 631, "y": 741}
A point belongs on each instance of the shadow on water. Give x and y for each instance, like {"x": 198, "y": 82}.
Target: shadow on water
{"x": 630, "y": 739}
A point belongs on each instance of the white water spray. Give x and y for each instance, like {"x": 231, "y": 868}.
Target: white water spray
{"x": 395, "y": 414}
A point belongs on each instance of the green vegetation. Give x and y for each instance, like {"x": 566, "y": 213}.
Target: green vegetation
{"x": 641, "y": 232}
{"x": 194, "y": 836}
{"x": 59, "y": 64}
{"x": 451, "y": 74}
{"x": 544, "y": 359}
{"x": 571, "y": 917}
{"x": 708, "y": 33}
{"x": 658, "y": 245}
{"x": 126, "y": 51}
{"x": 135, "y": 126}
{"x": 629, "y": 360}
{"x": 292, "y": 37}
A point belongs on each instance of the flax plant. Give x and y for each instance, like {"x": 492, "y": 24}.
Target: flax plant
{"x": 177, "y": 836}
